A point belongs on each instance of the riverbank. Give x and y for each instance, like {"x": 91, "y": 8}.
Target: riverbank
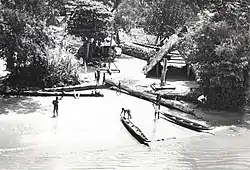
{"x": 131, "y": 75}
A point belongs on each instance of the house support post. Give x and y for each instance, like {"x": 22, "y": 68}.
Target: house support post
{"x": 164, "y": 71}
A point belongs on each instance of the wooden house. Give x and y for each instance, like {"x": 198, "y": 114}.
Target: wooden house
{"x": 177, "y": 68}
{"x": 168, "y": 63}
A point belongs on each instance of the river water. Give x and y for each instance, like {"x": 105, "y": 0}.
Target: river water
{"x": 88, "y": 134}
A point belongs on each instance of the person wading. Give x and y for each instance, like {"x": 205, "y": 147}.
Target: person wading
{"x": 118, "y": 91}
{"x": 55, "y": 104}
{"x": 158, "y": 104}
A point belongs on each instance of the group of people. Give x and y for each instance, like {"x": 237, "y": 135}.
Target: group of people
{"x": 157, "y": 104}
{"x": 125, "y": 112}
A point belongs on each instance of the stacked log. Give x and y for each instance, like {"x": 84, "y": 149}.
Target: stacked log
{"x": 43, "y": 94}
{"x": 76, "y": 88}
{"x": 137, "y": 51}
{"x": 151, "y": 98}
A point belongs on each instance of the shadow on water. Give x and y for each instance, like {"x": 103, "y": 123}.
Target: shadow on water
{"x": 19, "y": 105}
{"x": 226, "y": 118}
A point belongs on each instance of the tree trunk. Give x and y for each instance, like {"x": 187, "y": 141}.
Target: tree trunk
{"x": 87, "y": 50}
{"x": 76, "y": 88}
{"x": 117, "y": 35}
{"x": 151, "y": 98}
{"x": 137, "y": 51}
{"x": 40, "y": 93}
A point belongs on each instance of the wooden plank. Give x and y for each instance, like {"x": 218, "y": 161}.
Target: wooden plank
{"x": 176, "y": 62}
{"x": 174, "y": 39}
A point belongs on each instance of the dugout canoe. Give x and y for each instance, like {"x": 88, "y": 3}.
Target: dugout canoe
{"x": 184, "y": 122}
{"x": 134, "y": 131}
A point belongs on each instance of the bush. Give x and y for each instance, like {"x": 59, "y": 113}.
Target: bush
{"x": 41, "y": 73}
{"x": 61, "y": 72}
{"x": 220, "y": 52}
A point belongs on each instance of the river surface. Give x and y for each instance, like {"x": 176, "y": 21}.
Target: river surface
{"x": 88, "y": 134}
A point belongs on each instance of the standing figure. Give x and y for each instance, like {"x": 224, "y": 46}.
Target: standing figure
{"x": 104, "y": 78}
{"x": 158, "y": 105}
{"x": 55, "y": 104}
{"x": 97, "y": 76}
{"x": 124, "y": 111}
{"x": 129, "y": 114}
{"x": 118, "y": 92}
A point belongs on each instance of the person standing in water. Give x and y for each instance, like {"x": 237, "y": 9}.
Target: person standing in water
{"x": 158, "y": 104}
{"x": 55, "y": 104}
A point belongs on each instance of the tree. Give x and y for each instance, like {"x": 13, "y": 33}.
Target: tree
{"x": 160, "y": 18}
{"x": 23, "y": 40}
{"x": 130, "y": 14}
{"x": 89, "y": 19}
{"x": 164, "y": 17}
{"x": 21, "y": 32}
{"x": 220, "y": 48}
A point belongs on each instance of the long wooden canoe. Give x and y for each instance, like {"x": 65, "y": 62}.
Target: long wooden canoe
{"x": 134, "y": 131}
{"x": 184, "y": 122}
{"x": 42, "y": 93}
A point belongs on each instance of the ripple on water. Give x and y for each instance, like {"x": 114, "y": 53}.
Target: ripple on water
{"x": 87, "y": 138}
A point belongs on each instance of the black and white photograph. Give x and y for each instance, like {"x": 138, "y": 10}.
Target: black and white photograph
{"x": 124, "y": 84}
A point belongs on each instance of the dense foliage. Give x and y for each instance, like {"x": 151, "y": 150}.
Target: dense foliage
{"x": 220, "y": 50}
{"x": 24, "y": 41}
{"x": 130, "y": 14}
{"x": 89, "y": 19}
{"x": 164, "y": 17}
{"x": 160, "y": 18}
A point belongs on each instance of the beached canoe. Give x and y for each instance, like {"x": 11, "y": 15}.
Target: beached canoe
{"x": 134, "y": 131}
{"x": 184, "y": 122}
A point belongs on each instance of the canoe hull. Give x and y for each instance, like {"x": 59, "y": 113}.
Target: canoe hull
{"x": 131, "y": 128}
{"x": 185, "y": 123}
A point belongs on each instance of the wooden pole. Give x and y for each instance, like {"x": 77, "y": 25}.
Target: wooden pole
{"x": 87, "y": 49}
{"x": 164, "y": 71}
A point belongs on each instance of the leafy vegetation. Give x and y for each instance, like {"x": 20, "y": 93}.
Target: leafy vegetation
{"x": 66, "y": 68}
{"x": 220, "y": 49}
{"x": 160, "y": 18}
{"x": 164, "y": 17}
{"x": 217, "y": 43}
{"x": 90, "y": 19}
{"x": 24, "y": 41}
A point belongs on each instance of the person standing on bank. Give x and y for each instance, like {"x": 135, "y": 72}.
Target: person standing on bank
{"x": 97, "y": 76}
{"x": 55, "y": 104}
{"x": 158, "y": 105}
{"x": 103, "y": 78}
